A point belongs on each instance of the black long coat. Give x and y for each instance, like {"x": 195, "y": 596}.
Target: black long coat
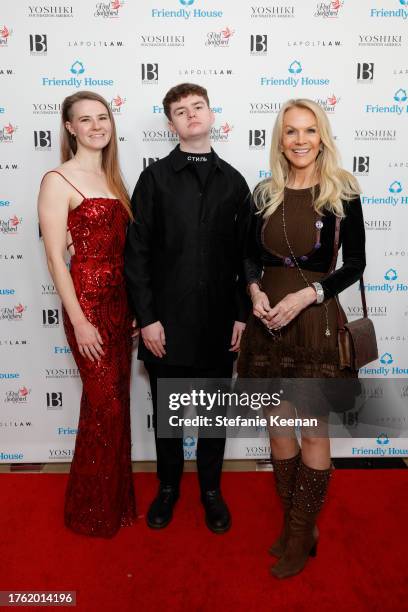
{"x": 184, "y": 258}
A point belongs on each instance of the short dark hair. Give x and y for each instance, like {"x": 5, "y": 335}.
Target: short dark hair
{"x": 183, "y": 90}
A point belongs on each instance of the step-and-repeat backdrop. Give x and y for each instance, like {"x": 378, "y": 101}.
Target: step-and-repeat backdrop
{"x": 351, "y": 57}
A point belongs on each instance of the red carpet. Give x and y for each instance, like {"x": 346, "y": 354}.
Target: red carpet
{"x": 361, "y": 562}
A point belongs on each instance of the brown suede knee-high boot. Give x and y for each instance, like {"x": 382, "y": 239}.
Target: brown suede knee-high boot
{"x": 285, "y": 472}
{"x": 308, "y": 498}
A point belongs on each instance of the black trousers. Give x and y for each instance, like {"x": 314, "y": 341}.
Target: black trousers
{"x": 170, "y": 452}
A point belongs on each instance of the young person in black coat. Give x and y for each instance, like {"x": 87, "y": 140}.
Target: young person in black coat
{"x": 183, "y": 263}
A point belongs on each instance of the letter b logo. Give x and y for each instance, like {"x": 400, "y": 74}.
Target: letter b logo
{"x": 150, "y": 72}
{"x": 54, "y": 399}
{"x": 365, "y": 71}
{"x": 51, "y": 316}
{"x": 42, "y": 139}
{"x": 259, "y": 43}
{"x": 38, "y": 43}
{"x": 256, "y": 138}
{"x": 361, "y": 165}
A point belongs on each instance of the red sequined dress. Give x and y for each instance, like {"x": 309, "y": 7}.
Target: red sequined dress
{"x": 100, "y": 496}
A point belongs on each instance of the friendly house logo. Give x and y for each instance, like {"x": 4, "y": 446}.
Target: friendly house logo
{"x": 77, "y": 69}
{"x": 295, "y": 69}
{"x": 399, "y": 105}
{"x": 399, "y": 12}
{"x": 386, "y": 358}
{"x": 387, "y": 366}
{"x": 393, "y": 198}
{"x": 186, "y": 9}
{"x": 392, "y": 284}
{"x": 395, "y": 187}
{"x": 391, "y": 274}
{"x": 383, "y": 448}
{"x": 401, "y": 95}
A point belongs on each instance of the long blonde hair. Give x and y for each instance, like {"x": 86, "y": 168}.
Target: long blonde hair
{"x": 336, "y": 184}
{"x": 110, "y": 157}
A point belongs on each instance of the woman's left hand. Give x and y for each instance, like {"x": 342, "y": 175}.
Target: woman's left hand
{"x": 135, "y": 329}
{"x": 237, "y": 332}
{"x": 289, "y": 308}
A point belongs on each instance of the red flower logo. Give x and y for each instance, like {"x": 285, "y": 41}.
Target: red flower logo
{"x": 336, "y": 4}
{"x": 4, "y": 32}
{"x": 332, "y": 100}
{"x": 23, "y": 392}
{"x": 118, "y": 101}
{"x": 115, "y": 5}
{"x": 14, "y": 221}
{"x": 9, "y": 128}
{"x": 19, "y": 308}
{"x": 226, "y": 128}
{"x": 227, "y": 33}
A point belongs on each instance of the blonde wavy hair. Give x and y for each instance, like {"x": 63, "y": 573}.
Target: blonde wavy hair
{"x": 336, "y": 184}
{"x": 110, "y": 155}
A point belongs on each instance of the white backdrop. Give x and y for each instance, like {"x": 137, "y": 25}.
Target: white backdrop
{"x": 349, "y": 56}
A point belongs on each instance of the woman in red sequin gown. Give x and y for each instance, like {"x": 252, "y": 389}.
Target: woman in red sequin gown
{"x": 84, "y": 206}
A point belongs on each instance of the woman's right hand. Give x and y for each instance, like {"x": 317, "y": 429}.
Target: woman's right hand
{"x": 89, "y": 340}
{"x": 260, "y": 304}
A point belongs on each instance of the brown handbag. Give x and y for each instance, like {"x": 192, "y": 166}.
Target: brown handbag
{"x": 356, "y": 340}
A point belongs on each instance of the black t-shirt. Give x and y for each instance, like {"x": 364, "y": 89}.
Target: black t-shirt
{"x": 201, "y": 163}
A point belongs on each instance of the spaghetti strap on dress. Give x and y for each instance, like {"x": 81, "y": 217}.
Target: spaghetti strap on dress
{"x": 65, "y": 179}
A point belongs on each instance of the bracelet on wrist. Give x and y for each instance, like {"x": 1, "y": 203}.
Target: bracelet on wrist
{"x": 319, "y": 292}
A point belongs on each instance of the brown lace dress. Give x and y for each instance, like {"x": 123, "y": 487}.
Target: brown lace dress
{"x": 302, "y": 350}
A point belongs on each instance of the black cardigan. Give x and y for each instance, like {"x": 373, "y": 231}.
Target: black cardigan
{"x": 352, "y": 240}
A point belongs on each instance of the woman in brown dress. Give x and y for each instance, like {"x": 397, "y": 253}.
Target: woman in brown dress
{"x": 292, "y": 332}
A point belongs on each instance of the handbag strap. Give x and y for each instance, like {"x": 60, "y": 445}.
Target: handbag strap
{"x": 340, "y": 320}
